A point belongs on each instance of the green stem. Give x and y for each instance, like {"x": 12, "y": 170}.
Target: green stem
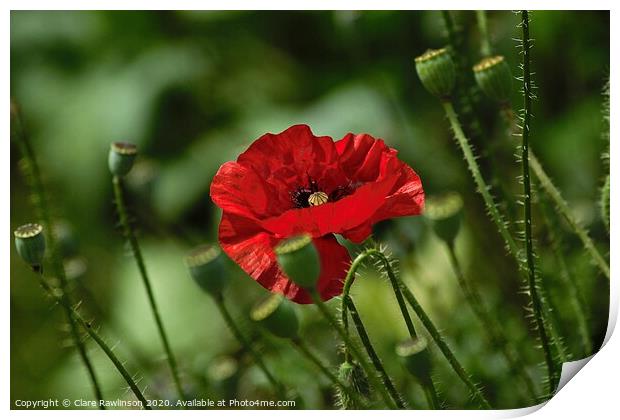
{"x": 374, "y": 357}
{"x": 482, "y": 187}
{"x": 230, "y": 322}
{"x": 491, "y": 326}
{"x": 40, "y": 202}
{"x": 533, "y": 285}
{"x": 431, "y": 396}
{"x": 568, "y": 282}
{"x": 485, "y": 44}
{"x": 443, "y": 346}
{"x": 130, "y": 236}
{"x": 562, "y": 206}
{"x": 305, "y": 350}
{"x": 97, "y": 338}
{"x": 353, "y": 348}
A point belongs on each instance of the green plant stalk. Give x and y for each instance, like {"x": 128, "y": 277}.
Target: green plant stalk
{"x": 372, "y": 354}
{"x": 130, "y": 236}
{"x": 483, "y": 28}
{"x": 305, "y": 350}
{"x": 562, "y": 206}
{"x": 97, "y": 338}
{"x": 533, "y": 285}
{"x": 353, "y": 348}
{"x": 568, "y": 282}
{"x": 605, "y": 191}
{"x": 369, "y": 253}
{"x": 431, "y": 396}
{"x": 39, "y": 200}
{"x": 481, "y": 185}
{"x": 232, "y": 325}
{"x": 492, "y": 329}
{"x": 443, "y": 346}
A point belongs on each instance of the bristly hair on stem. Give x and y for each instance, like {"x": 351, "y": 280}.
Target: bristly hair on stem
{"x": 31, "y": 171}
{"x": 534, "y": 287}
{"x": 130, "y": 236}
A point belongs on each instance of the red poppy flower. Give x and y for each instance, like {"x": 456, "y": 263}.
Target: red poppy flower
{"x": 294, "y": 183}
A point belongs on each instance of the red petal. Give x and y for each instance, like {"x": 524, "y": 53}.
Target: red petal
{"x": 239, "y": 190}
{"x": 252, "y": 249}
{"x": 286, "y": 160}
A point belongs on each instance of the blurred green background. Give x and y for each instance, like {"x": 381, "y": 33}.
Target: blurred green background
{"x": 193, "y": 90}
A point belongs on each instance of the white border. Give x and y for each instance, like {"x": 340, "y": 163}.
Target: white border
{"x": 593, "y": 392}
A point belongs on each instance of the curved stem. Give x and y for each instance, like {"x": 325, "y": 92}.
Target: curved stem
{"x": 40, "y": 202}
{"x": 374, "y": 357}
{"x": 443, "y": 346}
{"x": 355, "y": 351}
{"x": 485, "y": 44}
{"x": 100, "y": 341}
{"x": 492, "y": 329}
{"x": 431, "y": 396}
{"x": 130, "y": 236}
{"x": 305, "y": 350}
{"x": 562, "y": 206}
{"x": 230, "y": 322}
{"x": 533, "y": 285}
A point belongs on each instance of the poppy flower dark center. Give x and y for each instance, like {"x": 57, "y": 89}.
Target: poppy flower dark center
{"x": 313, "y": 195}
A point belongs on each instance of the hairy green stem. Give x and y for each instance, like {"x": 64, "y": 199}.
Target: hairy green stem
{"x": 562, "y": 207}
{"x": 483, "y": 28}
{"x": 97, "y": 338}
{"x": 374, "y": 357}
{"x": 443, "y": 346}
{"x": 369, "y": 253}
{"x": 130, "y": 236}
{"x": 39, "y": 199}
{"x": 568, "y": 282}
{"x": 482, "y": 187}
{"x": 353, "y": 348}
{"x": 305, "y": 350}
{"x": 431, "y": 396}
{"x": 533, "y": 285}
{"x": 490, "y": 324}
{"x": 232, "y": 325}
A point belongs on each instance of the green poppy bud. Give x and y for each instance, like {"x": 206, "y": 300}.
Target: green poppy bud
{"x": 299, "y": 260}
{"x": 444, "y": 212}
{"x": 30, "y": 244}
{"x": 66, "y": 239}
{"x": 223, "y": 373}
{"x": 206, "y": 266}
{"x": 278, "y": 315}
{"x": 416, "y": 357}
{"x": 121, "y": 158}
{"x": 353, "y": 375}
{"x": 494, "y": 78}
{"x": 437, "y": 72}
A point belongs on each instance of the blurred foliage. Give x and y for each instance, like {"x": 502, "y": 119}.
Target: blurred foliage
{"x": 194, "y": 89}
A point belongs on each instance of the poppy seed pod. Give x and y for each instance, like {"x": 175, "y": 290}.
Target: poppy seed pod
{"x": 206, "y": 265}
{"x": 121, "y": 158}
{"x": 277, "y": 315}
{"x": 444, "y": 213}
{"x": 416, "y": 358}
{"x": 30, "y": 244}
{"x": 299, "y": 260}
{"x": 494, "y": 78}
{"x": 437, "y": 72}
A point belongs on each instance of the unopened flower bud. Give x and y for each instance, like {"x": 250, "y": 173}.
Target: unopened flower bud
{"x": 121, "y": 158}
{"x": 278, "y": 315}
{"x": 444, "y": 212}
{"x": 437, "y": 72}
{"x": 494, "y": 78}
{"x": 299, "y": 260}
{"x": 66, "y": 239}
{"x": 352, "y": 375}
{"x": 416, "y": 358}
{"x": 30, "y": 244}
{"x": 223, "y": 374}
{"x": 206, "y": 266}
